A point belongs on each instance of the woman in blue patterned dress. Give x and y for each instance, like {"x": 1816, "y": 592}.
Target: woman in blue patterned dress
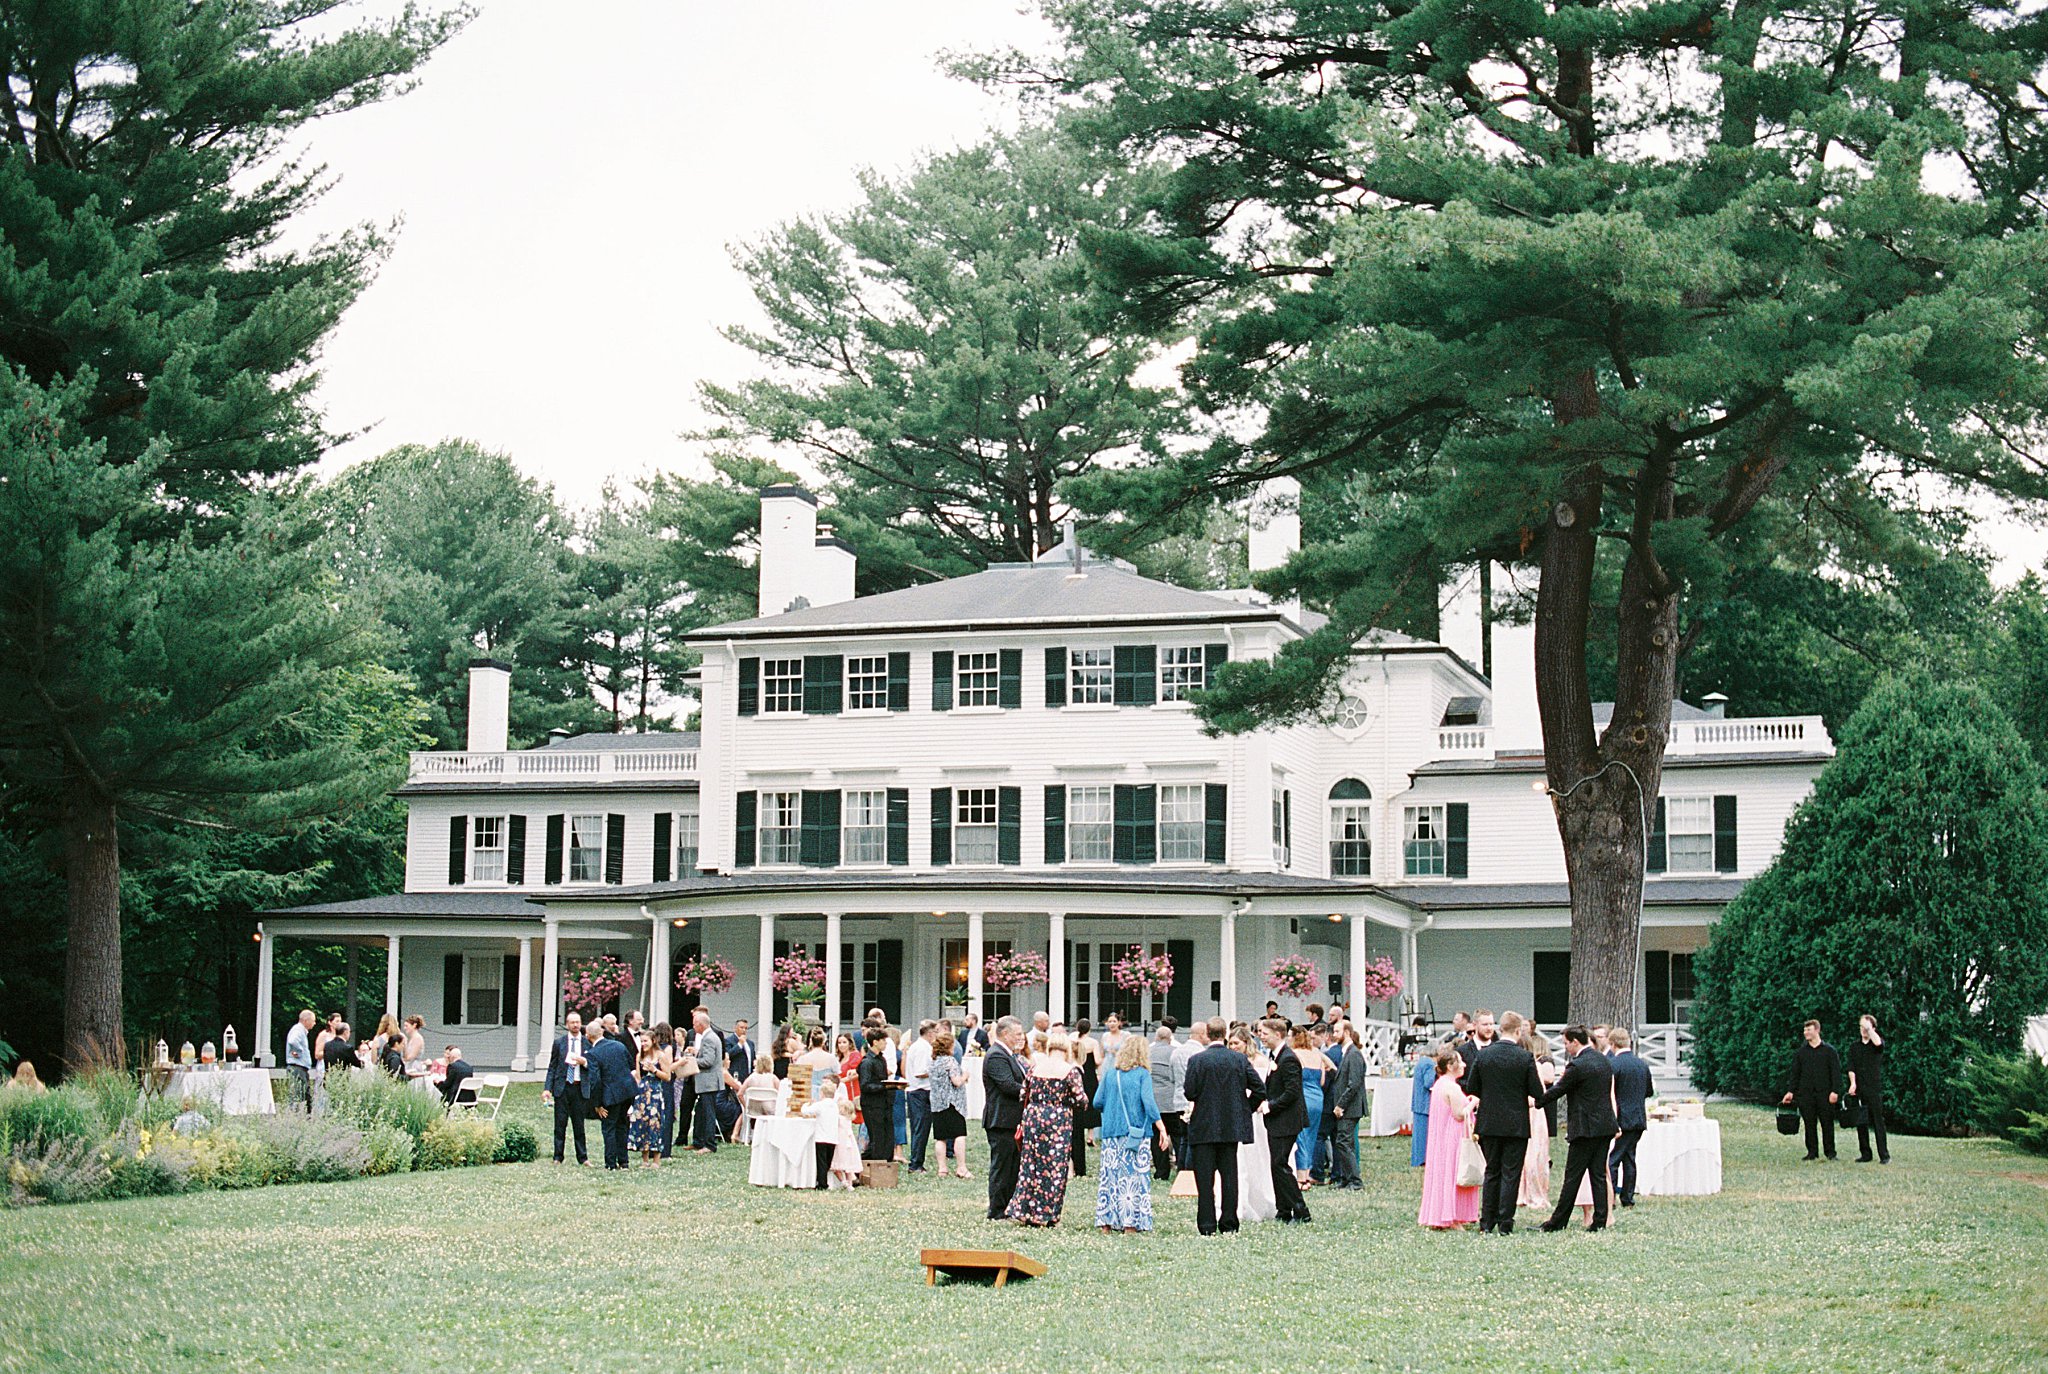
{"x": 644, "y": 1119}
{"x": 1130, "y": 1122}
{"x": 1052, "y": 1094}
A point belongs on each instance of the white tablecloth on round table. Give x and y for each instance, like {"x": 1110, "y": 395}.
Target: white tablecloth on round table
{"x": 783, "y": 1156}
{"x": 237, "y": 1092}
{"x": 1390, "y": 1109}
{"x": 1680, "y": 1158}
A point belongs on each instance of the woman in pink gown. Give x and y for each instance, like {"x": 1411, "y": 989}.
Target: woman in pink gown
{"x": 1446, "y": 1206}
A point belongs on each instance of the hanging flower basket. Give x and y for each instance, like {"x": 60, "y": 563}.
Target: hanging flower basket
{"x": 1380, "y": 981}
{"x": 1295, "y": 975}
{"x": 1140, "y": 972}
{"x": 704, "y": 975}
{"x": 593, "y": 982}
{"x": 1021, "y": 968}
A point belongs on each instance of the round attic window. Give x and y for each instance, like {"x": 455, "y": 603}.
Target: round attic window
{"x": 1351, "y": 713}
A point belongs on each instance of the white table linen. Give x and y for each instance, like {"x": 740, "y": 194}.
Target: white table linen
{"x": 782, "y": 1153}
{"x": 1679, "y": 1158}
{"x": 977, "y": 1096}
{"x": 236, "y": 1092}
{"x": 1390, "y": 1105}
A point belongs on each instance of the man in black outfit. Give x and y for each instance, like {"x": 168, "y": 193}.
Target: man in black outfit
{"x": 1632, "y": 1087}
{"x": 1286, "y": 1118}
{"x": 458, "y": 1069}
{"x": 611, "y": 1088}
{"x": 1817, "y": 1087}
{"x": 1002, "y": 1077}
{"x": 566, "y": 1085}
{"x": 1222, "y": 1089}
{"x": 1504, "y": 1079}
{"x": 1866, "y": 1085}
{"x": 1588, "y": 1090}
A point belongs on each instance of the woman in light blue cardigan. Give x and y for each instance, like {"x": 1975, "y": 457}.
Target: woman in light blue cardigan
{"x": 1130, "y": 1122}
{"x": 1418, "y": 1106}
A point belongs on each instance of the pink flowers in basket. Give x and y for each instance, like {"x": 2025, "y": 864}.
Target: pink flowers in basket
{"x": 798, "y": 971}
{"x": 1296, "y": 975}
{"x": 1380, "y": 981}
{"x": 591, "y": 983}
{"x": 1140, "y": 972}
{"x": 701, "y": 975}
{"x": 1020, "y": 968}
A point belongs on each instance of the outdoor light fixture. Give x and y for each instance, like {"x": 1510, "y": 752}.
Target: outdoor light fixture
{"x": 257, "y": 937}
{"x": 679, "y": 923}
{"x": 1336, "y": 916}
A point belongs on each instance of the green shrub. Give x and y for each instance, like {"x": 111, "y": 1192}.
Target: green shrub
{"x": 2008, "y": 1096}
{"x": 391, "y": 1149}
{"x": 59, "y": 1116}
{"x": 138, "y": 1165}
{"x": 59, "y": 1170}
{"x": 112, "y": 1092}
{"x": 367, "y": 1100}
{"x": 222, "y": 1160}
{"x": 307, "y": 1149}
{"x": 517, "y": 1143}
{"x": 453, "y": 1142}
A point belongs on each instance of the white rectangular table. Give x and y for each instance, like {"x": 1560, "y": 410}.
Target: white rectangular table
{"x": 1680, "y": 1158}
{"x": 235, "y": 1092}
{"x": 1390, "y": 1110}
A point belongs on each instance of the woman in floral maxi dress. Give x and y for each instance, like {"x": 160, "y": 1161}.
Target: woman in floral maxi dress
{"x": 1052, "y": 1094}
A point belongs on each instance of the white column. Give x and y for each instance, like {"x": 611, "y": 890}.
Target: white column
{"x": 1408, "y": 966}
{"x": 1351, "y": 989}
{"x": 550, "y": 980}
{"x": 832, "y": 973}
{"x": 1056, "y": 966}
{"x": 391, "y": 977}
{"x": 1228, "y": 953}
{"x": 764, "y": 990}
{"x": 974, "y": 970}
{"x": 658, "y": 985}
{"x": 521, "y": 1059}
{"x": 264, "y": 1058}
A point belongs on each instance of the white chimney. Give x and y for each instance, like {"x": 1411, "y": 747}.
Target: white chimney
{"x": 800, "y": 564}
{"x": 490, "y": 705}
{"x": 1516, "y": 726}
{"x": 832, "y": 565}
{"x": 1275, "y": 523}
{"x": 1457, "y": 617}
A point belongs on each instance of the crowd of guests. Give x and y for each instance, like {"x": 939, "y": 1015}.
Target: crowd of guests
{"x": 314, "y": 1051}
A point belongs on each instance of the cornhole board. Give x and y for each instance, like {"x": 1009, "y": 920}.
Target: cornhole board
{"x": 1183, "y": 1184}
{"x": 958, "y": 1263}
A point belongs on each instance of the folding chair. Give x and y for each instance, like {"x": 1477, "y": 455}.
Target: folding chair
{"x": 491, "y": 1095}
{"x": 465, "y": 1095}
{"x": 758, "y": 1102}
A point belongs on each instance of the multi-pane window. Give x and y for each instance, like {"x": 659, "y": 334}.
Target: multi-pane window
{"x": 686, "y": 843}
{"x": 586, "y": 849}
{"x": 1422, "y": 841}
{"x": 1689, "y": 834}
{"x": 1181, "y": 672}
{"x": 1283, "y": 818}
{"x": 782, "y": 686}
{"x": 487, "y": 849}
{"x": 1091, "y": 677}
{"x": 483, "y": 989}
{"x": 780, "y": 819}
{"x": 1182, "y": 821}
{"x": 977, "y": 679}
{"x": 1350, "y": 839}
{"x": 864, "y": 828}
{"x": 1090, "y": 817}
{"x": 867, "y": 683}
{"x": 974, "y": 825}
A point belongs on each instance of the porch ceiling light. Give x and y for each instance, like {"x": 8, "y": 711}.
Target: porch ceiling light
{"x": 257, "y": 936}
{"x": 1336, "y": 916}
{"x": 679, "y": 922}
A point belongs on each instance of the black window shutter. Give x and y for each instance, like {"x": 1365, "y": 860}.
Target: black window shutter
{"x": 451, "y": 990}
{"x": 615, "y": 848}
{"x": 508, "y": 993}
{"x": 1551, "y": 978}
{"x": 1457, "y": 825}
{"x": 1134, "y": 811}
{"x": 750, "y": 686}
{"x": 1056, "y": 675}
{"x": 818, "y": 842}
{"x": 1287, "y": 826}
{"x": 1146, "y": 820}
{"x": 1215, "y": 823}
{"x": 743, "y": 829}
{"x": 664, "y": 824}
{"x": 1010, "y": 679}
{"x": 1724, "y": 834}
{"x": 781, "y": 998}
{"x": 1009, "y": 825}
{"x": 1123, "y": 845}
{"x": 942, "y": 680}
{"x": 458, "y": 850}
{"x": 1055, "y": 822}
{"x": 942, "y": 825}
{"x": 1214, "y": 656}
{"x": 1136, "y": 678}
{"x": 889, "y": 979}
{"x": 823, "y": 684}
{"x": 553, "y": 872}
{"x": 1180, "y": 998}
{"x": 899, "y": 826}
{"x": 1660, "y": 846}
{"x": 515, "y": 850}
{"x": 899, "y": 681}
{"x": 1656, "y": 986}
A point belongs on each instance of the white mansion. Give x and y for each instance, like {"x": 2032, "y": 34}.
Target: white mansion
{"x": 904, "y": 782}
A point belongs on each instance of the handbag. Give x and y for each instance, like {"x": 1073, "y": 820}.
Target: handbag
{"x": 1849, "y": 1111}
{"x": 1471, "y": 1163}
{"x": 1788, "y": 1120}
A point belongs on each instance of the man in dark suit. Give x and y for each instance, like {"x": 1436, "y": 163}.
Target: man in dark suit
{"x": 565, "y": 1088}
{"x": 458, "y": 1069}
{"x": 611, "y": 1088}
{"x": 1816, "y": 1086}
{"x": 1632, "y": 1088}
{"x": 1222, "y": 1088}
{"x": 1503, "y": 1077}
{"x": 1286, "y": 1118}
{"x": 1347, "y": 1102}
{"x": 1002, "y": 1079}
{"x": 1588, "y": 1090}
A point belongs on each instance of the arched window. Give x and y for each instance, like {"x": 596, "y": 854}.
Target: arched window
{"x": 1350, "y": 829}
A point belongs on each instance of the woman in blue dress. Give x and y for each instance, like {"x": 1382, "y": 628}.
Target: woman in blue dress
{"x": 1129, "y": 1109}
{"x": 1315, "y": 1068}
{"x": 1418, "y": 1107}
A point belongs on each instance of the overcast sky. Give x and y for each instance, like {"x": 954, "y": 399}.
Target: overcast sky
{"x": 570, "y": 178}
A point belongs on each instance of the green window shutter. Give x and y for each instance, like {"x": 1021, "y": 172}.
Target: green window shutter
{"x": 1724, "y": 834}
{"x": 818, "y": 841}
{"x": 1660, "y": 846}
{"x": 942, "y": 680}
{"x": 1656, "y": 986}
{"x": 1215, "y": 823}
{"x": 743, "y": 812}
{"x": 451, "y": 990}
{"x": 508, "y": 993}
{"x": 888, "y": 979}
{"x": 1135, "y": 812}
{"x": 1009, "y": 825}
{"x": 942, "y": 826}
{"x": 1146, "y": 819}
{"x": 1180, "y": 998}
{"x": 1214, "y": 656}
{"x": 552, "y": 873}
{"x": 515, "y": 851}
{"x": 1056, "y": 675}
{"x": 1136, "y": 680}
{"x": 1010, "y": 679}
{"x": 458, "y": 850}
{"x": 899, "y": 826}
{"x": 615, "y": 848}
{"x": 899, "y": 681}
{"x": 750, "y": 686}
{"x": 1055, "y": 823}
{"x": 823, "y": 679}
{"x": 664, "y": 825}
{"x": 1457, "y": 825}
{"x": 1550, "y": 972}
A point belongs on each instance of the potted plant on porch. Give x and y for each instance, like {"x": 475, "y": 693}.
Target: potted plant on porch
{"x": 1294, "y": 975}
{"x": 803, "y": 978}
{"x": 592, "y": 983}
{"x": 953, "y": 1000}
{"x": 698, "y": 975}
{"x": 1141, "y": 974}
{"x": 1014, "y": 971}
{"x": 1379, "y": 981}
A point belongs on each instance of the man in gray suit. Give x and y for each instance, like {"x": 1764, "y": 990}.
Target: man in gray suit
{"x": 710, "y": 1052}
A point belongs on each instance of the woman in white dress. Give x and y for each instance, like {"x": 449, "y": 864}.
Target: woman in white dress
{"x": 1534, "y": 1190}
{"x": 1255, "y": 1198}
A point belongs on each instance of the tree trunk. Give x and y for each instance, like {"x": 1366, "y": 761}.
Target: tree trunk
{"x": 92, "y": 951}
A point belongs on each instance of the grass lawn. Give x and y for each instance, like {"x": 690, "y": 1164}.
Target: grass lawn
{"x": 1932, "y": 1263}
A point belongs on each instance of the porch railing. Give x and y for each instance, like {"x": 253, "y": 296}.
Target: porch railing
{"x": 553, "y": 765}
{"x": 1763, "y": 735}
{"x": 1664, "y": 1047}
